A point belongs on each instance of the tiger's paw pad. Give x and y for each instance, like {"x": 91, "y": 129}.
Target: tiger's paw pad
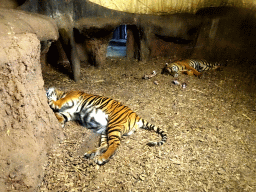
{"x": 101, "y": 161}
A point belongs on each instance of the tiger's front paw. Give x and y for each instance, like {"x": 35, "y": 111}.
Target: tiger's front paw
{"x": 53, "y": 105}
{"x": 60, "y": 118}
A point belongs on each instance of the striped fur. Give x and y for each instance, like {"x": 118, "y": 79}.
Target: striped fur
{"x": 203, "y": 65}
{"x": 101, "y": 114}
{"x": 190, "y": 67}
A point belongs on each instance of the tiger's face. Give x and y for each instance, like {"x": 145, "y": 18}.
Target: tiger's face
{"x": 51, "y": 94}
{"x": 54, "y": 94}
{"x": 174, "y": 70}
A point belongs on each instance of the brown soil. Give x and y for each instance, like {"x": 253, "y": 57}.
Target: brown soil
{"x": 210, "y": 124}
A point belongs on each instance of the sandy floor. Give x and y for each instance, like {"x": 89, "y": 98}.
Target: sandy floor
{"x": 210, "y": 124}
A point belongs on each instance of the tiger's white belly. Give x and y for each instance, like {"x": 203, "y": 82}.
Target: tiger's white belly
{"x": 94, "y": 119}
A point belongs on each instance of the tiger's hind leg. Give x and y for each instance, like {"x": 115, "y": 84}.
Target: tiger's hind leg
{"x": 108, "y": 146}
{"x": 101, "y": 149}
{"x": 114, "y": 140}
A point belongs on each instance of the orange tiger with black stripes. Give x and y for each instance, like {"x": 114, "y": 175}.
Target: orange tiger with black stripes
{"x": 103, "y": 115}
{"x": 192, "y": 67}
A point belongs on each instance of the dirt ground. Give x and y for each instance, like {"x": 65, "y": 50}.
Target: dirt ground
{"x": 210, "y": 124}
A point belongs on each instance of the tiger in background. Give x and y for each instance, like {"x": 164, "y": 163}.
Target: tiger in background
{"x": 190, "y": 67}
{"x": 103, "y": 115}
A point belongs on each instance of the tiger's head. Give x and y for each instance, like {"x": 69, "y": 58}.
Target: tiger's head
{"x": 171, "y": 69}
{"x": 54, "y": 94}
{"x": 174, "y": 68}
{"x": 51, "y": 94}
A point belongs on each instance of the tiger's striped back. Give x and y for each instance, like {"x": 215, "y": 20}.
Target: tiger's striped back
{"x": 203, "y": 65}
{"x": 101, "y": 114}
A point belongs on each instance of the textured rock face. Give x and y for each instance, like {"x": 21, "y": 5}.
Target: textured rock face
{"x": 17, "y": 22}
{"x": 28, "y": 128}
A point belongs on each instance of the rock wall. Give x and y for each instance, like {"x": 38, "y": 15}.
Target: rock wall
{"x": 227, "y": 33}
{"x": 28, "y": 127}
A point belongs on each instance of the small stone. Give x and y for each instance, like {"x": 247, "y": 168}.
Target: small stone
{"x": 142, "y": 177}
{"x": 12, "y": 175}
{"x": 184, "y": 85}
{"x": 175, "y": 82}
{"x": 156, "y": 82}
{"x": 97, "y": 167}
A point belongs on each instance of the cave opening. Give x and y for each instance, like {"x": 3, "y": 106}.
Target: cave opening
{"x": 117, "y": 45}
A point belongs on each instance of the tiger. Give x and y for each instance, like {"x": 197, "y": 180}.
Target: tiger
{"x": 103, "y": 115}
{"x": 190, "y": 67}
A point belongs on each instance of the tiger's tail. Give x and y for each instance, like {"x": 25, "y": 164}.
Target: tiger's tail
{"x": 150, "y": 127}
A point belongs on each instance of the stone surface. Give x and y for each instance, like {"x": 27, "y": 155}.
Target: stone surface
{"x": 28, "y": 127}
